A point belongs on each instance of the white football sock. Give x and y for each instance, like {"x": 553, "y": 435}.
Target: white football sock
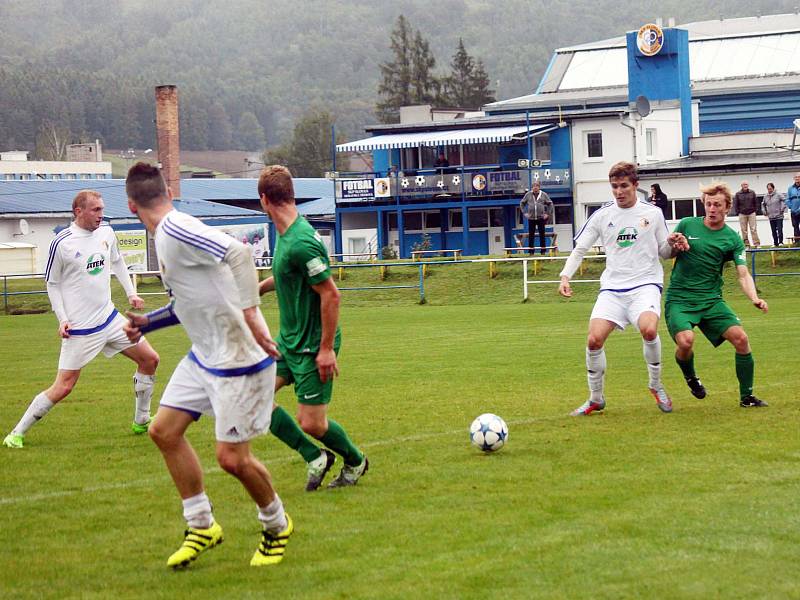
{"x": 37, "y": 409}
{"x": 652, "y": 356}
{"x": 272, "y": 516}
{"x": 143, "y": 389}
{"x": 197, "y": 511}
{"x": 595, "y": 372}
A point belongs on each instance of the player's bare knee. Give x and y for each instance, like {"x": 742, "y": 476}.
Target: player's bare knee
{"x": 163, "y": 437}
{"x": 649, "y": 333}
{"x": 741, "y": 342}
{"x": 313, "y": 427}
{"x": 593, "y": 342}
{"x": 231, "y": 462}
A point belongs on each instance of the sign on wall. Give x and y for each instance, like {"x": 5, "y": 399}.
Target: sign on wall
{"x": 253, "y": 235}
{"x": 650, "y": 39}
{"x": 518, "y": 181}
{"x": 133, "y": 248}
{"x": 357, "y": 189}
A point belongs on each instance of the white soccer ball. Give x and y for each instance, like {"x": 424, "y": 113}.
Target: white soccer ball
{"x": 488, "y": 432}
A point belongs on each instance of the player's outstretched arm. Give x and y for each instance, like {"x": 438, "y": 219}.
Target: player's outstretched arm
{"x": 749, "y": 288}
{"x": 120, "y": 269}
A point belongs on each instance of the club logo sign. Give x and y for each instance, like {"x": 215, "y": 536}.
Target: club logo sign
{"x": 479, "y": 182}
{"x": 650, "y": 39}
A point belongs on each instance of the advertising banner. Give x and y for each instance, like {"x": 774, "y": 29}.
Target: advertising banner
{"x": 255, "y": 236}
{"x": 356, "y": 189}
{"x": 518, "y": 181}
{"x": 133, "y": 248}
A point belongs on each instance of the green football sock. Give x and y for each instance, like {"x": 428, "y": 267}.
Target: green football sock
{"x": 745, "y": 368}
{"x": 286, "y": 429}
{"x": 336, "y": 439}
{"x": 687, "y": 366}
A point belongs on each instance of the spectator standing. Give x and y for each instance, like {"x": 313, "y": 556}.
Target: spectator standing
{"x": 793, "y": 202}
{"x": 538, "y": 208}
{"x": 773, "y": 206}
{"x": 441, "y": 163}
{"x": 745, "y": 204}
{"x": 659, "y": 199}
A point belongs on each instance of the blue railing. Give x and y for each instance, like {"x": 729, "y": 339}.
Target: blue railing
{"x": 754, "y": 251}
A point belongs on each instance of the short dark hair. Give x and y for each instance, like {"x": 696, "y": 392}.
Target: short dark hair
{"x": 624, "y": 169}
{"x": 145, "y": 185}
{"x": 275, "y": 182}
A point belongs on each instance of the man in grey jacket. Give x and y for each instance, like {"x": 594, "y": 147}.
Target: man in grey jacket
{"x": 773, "y": 205}
{"x": 745, "y": 205}
{"x": 538, "y": 209}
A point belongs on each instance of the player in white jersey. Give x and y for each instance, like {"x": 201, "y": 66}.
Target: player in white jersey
{"x": 634, "y": 235}
{"x": 78, "y": 277}
{"x": 229, "y": 372}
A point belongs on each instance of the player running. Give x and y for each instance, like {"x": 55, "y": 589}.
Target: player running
{"x": 309, "y": 338}
{"x": 694, "y": 296}
{"x": 78, "y": 277}
{"x": 229, "y": 372}
{"x": 634, "y": 235}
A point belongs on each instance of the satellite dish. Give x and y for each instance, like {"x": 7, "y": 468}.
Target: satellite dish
{"x": 24, "y": 228}
{"x": 643, "y": 106}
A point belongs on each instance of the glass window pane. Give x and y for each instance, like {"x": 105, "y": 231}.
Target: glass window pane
{"x": 563, "y": 214}
{"x": 392, "y": 221}
{"x": 456, "y": 221}
{"x": 684, "y": 208}
{"x": 496, "y": 217}
{"x": 700, "y": 210}
{"x": 478, "y": 217}
{"x": 594, "y": 144}
{"x": 413, "y": 221}
{"x": 433, "y": 220}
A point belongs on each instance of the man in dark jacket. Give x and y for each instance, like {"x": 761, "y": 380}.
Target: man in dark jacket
{"x": 745, "y": 204}
{"x": 538, "y": 208}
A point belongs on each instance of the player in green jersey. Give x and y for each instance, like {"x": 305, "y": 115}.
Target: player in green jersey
{"x": 694, "y": 297}
{"x": 309, "y": 340}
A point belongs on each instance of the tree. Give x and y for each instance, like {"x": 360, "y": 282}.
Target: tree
{"x": 425, "y": 87}
{"x": 467, "y": 86}
{"x": 396, "y": 85}
{"x": 220, "y": 132}
{"x": 249, "y": 133}
{"x": 52, "y": 141}
{"x": 308, "y": 153}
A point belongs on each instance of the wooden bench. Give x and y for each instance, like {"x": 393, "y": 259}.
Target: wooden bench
{"x": 551, "y": 250}
{"x": 340, "y": 258}
{"x": 418, "y": 255}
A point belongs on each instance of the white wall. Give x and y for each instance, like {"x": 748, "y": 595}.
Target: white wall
{"x": 40, "y": 235}
{"x": 47, "y": 167}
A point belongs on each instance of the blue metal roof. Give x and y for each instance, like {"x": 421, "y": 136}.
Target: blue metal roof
{"x": 197, "y": 196}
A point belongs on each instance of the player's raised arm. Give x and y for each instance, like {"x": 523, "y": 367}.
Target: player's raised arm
{"x": 583, "y": 241}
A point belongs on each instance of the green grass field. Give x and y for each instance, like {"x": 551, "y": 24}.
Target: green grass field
{"x": 700, "y": 503}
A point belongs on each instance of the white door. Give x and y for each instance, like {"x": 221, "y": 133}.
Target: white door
{"x": 497, "y": 240}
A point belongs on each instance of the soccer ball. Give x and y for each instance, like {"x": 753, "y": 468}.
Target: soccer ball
{"x": 488, "y": 432}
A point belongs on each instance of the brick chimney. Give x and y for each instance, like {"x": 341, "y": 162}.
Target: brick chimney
{"x": 169, "y": 148}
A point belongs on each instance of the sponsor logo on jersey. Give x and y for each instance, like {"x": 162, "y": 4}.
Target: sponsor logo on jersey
{"x": 627, "y": 237}
{"x": 611, "y": 224}
{"x": 78, "y": 254}
{"x": 741, "y": 256}
{"x": 95, "y": 264}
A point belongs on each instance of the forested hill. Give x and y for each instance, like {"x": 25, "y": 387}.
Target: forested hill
{"x": 242, "y": 66}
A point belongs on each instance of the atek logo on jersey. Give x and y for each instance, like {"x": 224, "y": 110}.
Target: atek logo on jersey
{"x": 627, "y": 237}
{"x": 95, "y": 264}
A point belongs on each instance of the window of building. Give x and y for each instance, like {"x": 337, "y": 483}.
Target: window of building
{"x": 563, "y": 214}
{"x": 478, "y": 218}
{"x": 699, "y": 209}
{"x": 433, "y": 220}
{"x": 480, "y": 154}
{"x": 518, "y": 222}
{"x": 651, "y": 146}
{"x": 391, "y": 221}
{"x": 683, "y": 208}
{"x": 541, "y": 148}
{"x": 495, "y": 217}
{"x": 25, "y": 176}
{"x": 593, "y": 142}
{"x": 70, "y": 176}
{"x": 412, "y": 221}
{"x": 591, "y": 209}
{"x": 85, "y": 176}
{"x": 456, "y": 219}
{"x": 356, "y": 245}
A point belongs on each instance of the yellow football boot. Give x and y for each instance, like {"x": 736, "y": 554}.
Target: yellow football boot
{"x": 273, "y": 545}
{"x": 195, "y": 542}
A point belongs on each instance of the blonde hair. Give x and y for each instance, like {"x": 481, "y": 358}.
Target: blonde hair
{"x": 718, "y": 187}
{"x": 82, "y": 197}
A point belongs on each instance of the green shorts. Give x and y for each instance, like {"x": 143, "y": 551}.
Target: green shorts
{"x": 713, "y": 319}
{"x": 301, "y": 371}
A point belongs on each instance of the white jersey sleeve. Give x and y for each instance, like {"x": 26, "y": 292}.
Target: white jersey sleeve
{"x": 200, "y": 243}
{"x": 586, "y": 238}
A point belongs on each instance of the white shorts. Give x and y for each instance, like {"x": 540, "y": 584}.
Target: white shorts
{"x": 624, "y": 308}
{"x": 78, "y": 350}
{"x": 242, "y": 406}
